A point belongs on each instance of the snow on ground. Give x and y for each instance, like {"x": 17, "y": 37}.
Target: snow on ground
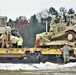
{"x": 41, "y": 66}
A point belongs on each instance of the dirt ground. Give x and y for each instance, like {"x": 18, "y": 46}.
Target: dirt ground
{"x": 30, "y": 72}
{"x": 2, "y": 72}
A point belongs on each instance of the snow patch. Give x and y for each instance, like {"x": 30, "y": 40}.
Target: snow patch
{"x": 41, "y": 66}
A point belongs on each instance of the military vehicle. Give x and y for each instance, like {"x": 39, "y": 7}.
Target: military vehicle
{"x": 14, "y": 35}
{"x": 59, "y": 33}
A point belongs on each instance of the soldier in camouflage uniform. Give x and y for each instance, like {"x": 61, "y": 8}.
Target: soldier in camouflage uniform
{"x": 65, "y": 51}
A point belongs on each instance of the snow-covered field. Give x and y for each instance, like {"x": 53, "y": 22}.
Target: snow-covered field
{"x": 42, "y": 66}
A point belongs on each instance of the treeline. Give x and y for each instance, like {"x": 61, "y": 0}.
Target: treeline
{"x": 36, "y": 24}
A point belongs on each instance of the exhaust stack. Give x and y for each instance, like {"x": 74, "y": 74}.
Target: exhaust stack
{"x": 46, "y": 27}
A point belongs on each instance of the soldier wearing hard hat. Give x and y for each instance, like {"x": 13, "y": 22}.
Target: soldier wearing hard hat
{"x": 66, "y": 48}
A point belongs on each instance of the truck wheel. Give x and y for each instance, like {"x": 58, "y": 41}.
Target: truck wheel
{"x": 70, "y": 37}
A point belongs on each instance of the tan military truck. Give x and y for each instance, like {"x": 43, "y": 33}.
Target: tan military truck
{"x": 14, "y": 33}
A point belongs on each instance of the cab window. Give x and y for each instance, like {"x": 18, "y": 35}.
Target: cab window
{"x": 15, "y": 33}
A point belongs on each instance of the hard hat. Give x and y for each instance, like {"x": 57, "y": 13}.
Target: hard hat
{"x": 66, "y": 43}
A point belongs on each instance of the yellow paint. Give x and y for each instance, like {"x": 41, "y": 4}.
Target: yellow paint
{"x": 58, "y": 51}
{"x": 75, "y": 51}
{"x": 52, "y": 51}
{"x": 31, "y": 50}
{"x": 11, "y": 51}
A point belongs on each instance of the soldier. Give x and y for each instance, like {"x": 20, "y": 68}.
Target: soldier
{"x": 65, "y": 51}
{"x": 5, "y": 39}
{"x": 19, "y": 44}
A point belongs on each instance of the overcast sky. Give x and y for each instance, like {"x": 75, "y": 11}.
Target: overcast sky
{"x": 15, "y": 8}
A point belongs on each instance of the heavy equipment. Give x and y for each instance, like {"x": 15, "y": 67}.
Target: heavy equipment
{"x": 13, "y": 33}
{"x": 48, "y": 44}
{"x": 59, "y": 33}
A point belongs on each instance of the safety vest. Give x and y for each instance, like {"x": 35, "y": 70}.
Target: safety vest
{"x": 19, "y": 43}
